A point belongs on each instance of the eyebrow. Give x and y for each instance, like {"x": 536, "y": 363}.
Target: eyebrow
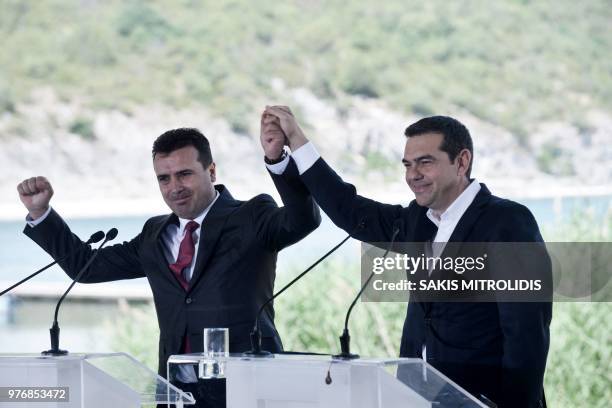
{"x": 427, "y": 156}
{"x": 176, "y": 172}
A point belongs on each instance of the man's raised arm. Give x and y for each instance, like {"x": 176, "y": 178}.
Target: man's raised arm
{"x": 338, "y": 199}
{"x": 51, "y": 233}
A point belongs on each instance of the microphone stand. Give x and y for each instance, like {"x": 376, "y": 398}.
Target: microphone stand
{"x": 55, "y": 330}
{"x": 256, "y": 350}
{"x": 96, "y": 237}
{"x": 345, "y": 338}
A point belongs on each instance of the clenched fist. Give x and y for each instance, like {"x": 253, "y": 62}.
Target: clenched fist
{"x": 35, "y": 194}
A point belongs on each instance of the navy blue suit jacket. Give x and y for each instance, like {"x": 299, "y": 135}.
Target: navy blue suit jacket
{"x": 495, "y": 349}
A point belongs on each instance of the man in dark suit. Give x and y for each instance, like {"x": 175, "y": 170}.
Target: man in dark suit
{"x": 211, "y": 263}
{"x": 496, "y": 350}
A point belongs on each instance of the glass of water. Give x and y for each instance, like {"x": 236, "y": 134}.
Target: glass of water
{"x": 216, "y": 348}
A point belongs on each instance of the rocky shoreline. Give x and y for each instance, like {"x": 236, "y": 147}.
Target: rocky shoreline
{"x": 103, "y": 166}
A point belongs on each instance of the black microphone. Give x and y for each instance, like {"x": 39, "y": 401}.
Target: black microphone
{"x": 55, "y": 330}
{"x": 256, "y": 350}
{"x": 96, "y": 237}
{"x": 345, "y": 339}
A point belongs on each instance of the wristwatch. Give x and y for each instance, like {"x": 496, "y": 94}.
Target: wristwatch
{"x": 276, "y": 161}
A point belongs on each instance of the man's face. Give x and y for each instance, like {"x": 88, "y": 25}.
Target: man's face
{"x": 435, "y": 181}
{"x": 187, "y": 187}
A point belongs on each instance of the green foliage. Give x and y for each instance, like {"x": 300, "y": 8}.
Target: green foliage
{"x": 551, "y": 159}
{"x": 143, "y": 24}
{"x": 83, "y": 127}
{"x": 379, "y": 167}
{"x": 357, "y": 79}
{"x": 311, "y": 317}
{"x": 237, "y": 119}
{"x": 511, "y": 63}
{"x": 579, "y": 360}
{"x": 135, "y": 331}
{"x": 582, "y": 226}
{"x": 579, "y": 367}
{"x": 91, "y": 46}
{"x": 7, "y": 102}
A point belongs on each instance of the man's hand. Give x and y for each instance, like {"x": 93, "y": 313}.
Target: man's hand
{"x": 288, "y": 124}
{"x": 271, "y": 136}
{"x": 35, "y": 193}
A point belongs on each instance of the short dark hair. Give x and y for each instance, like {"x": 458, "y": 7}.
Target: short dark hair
{"x": 177, "y": 138}
{"x": 456, "y": 135}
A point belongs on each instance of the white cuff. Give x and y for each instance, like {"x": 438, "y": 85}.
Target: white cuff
{"x": 305, "y": 156}
{"x": 280, "y": 167}
{"x": 32, "y": 223}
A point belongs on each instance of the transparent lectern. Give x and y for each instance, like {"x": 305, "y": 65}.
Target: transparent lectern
{"x": 307, "y": 381}
{"x": 88, "y": 381}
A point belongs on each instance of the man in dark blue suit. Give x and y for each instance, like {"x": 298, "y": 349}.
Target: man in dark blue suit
{"x": 210, "y": 263}
{"x": 495, "y": 350}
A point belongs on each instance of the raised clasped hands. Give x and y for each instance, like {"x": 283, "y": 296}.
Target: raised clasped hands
{"x": 272, "y": 136}
{"x": 279, "y": 128}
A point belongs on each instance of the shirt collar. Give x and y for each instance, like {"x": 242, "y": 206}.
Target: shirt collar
{"x": 457, "y": 207}
{"x": 200, "y": 218}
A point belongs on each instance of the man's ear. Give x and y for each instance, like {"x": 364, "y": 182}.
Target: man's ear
{"x": 213, "y": 172}
{"x": 464, "y": 158}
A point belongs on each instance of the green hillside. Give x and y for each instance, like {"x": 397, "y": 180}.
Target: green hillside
{"x": 512, "y": 63}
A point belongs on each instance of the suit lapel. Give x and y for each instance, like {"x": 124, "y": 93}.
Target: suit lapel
{"x": 466, "y": 223}
{"x": 425, "y": 231}
{"x": 462, "y": 232}
{"x": 211, "y": 231}
{"x": 160, "y": 257}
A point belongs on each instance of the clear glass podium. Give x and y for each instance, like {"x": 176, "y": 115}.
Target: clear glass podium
{"x": 88, "y": 381}
{"x": 309, "y": 381}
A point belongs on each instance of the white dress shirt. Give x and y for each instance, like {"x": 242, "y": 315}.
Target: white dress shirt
{"x": 304, "y": 157}
{"x": 450, "y": 217}
{"x": 174, "y": 234}
{"x": 32, "y": 223}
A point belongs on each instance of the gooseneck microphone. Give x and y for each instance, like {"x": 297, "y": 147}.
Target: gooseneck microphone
{"x": 96, "y": 237}
{"x": 345, "y": 338}
{"x": 256, "y": 350}
{"x": 55, "y": 330}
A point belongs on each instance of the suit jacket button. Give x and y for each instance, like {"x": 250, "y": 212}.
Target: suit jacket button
{"x": 188, "y": 300}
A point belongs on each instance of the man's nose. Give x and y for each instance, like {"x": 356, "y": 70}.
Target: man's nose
{"x": 413, "y": 173}
{"x": 175, "y": 185}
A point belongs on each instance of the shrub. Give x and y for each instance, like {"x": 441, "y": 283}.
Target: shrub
{"x": 83, "y": 127}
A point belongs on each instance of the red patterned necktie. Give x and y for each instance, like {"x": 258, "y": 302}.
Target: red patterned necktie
{"x": 185, "y": 255}
{"x": 184, "y": 258}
